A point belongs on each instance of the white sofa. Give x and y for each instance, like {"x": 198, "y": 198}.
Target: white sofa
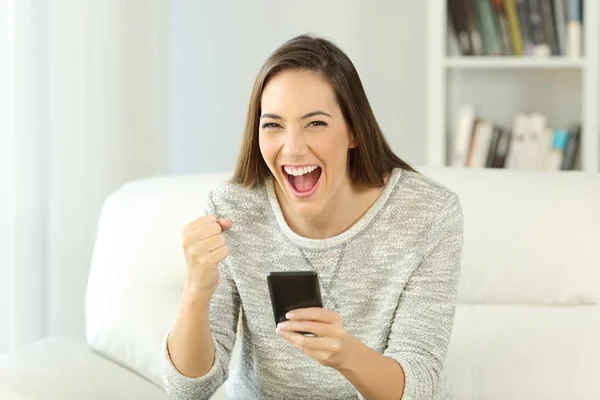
{"x": 527, "y": 324}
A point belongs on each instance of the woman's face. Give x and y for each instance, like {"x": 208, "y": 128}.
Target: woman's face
{"x": 304, "y": 140}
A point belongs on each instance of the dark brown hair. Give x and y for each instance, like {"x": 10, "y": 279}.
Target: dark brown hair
{"x": 372, "y": 157}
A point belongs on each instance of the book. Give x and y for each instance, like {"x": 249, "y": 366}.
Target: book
{"x": 502, "y": 23}
{"x": 541, "y": 44}
{"x": 472, "y": 141}
{"x": 493, "y": 146}
{"x": 537, "y": 28}
{"x": 490, "y": 31}
{"x": 462, "y": 135}
{"x": 572, "y": 147}
{"x": 530, "y": 143}
{"x": 560, "y": 21}
{"x": 549, "y": 26}
{"x": 527, "y": 33}
{"x": 514, "y": 25}
{"x": 574, "y": 28}
{"x": 559, "y": 144}
{"x": 481, "y": 144}
{"x": 502, "y": 149}
{"x": 472, "y": 26}
{"x": 460, "y": 25}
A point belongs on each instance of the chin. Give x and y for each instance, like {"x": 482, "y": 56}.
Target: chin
{"x": 308, "y": 210}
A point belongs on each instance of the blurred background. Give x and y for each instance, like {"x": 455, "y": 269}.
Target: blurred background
{"x": 97, "y": 93}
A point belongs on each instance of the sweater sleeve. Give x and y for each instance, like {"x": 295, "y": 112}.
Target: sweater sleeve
{"x": 423, "y": 321}
{"x": 224, "y": 313}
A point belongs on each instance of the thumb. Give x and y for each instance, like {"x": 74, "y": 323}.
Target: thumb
{"x": 225, "y": 223}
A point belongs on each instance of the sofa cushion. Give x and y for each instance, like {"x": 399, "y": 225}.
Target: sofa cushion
{"x": 500, "y": 352}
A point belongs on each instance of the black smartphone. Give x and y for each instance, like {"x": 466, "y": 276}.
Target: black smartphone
{"x": 293, "y": 290}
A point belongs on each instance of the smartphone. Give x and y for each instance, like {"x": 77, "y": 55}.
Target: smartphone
{"x": 293, "y": 290}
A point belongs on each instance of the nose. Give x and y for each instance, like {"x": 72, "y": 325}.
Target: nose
{"x": 294, "y": 145}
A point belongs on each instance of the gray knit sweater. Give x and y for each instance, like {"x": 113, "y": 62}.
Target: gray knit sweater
{"x": 392, "y": 277}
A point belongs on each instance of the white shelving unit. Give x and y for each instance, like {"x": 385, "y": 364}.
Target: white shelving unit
{"x": 565, "y": 89}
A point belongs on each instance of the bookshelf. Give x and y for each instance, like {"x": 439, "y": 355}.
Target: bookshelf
{"x": 564, "y": 88}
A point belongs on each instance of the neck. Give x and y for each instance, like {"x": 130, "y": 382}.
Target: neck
{"x": 335, "y": 218}
{"x": 342, "y": 212}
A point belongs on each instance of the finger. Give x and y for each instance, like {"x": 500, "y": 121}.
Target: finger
{"x": 215, "y": 257}
{"x": 314, "y": 314}
{"x": 204, "y": 232}
{"x": 225, "y": 223}
{"x": 214, "y": 242}
{"x": 312, "y": 342}
{"x": 195, "y": 224}
{"x": 317, "y": 328}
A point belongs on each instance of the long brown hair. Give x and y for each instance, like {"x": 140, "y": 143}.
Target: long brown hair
{"x": 372, "y": 157}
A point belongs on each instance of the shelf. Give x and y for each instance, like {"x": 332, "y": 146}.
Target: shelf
{"x": 509, "y": 62}
{"x": 502, "y": 86}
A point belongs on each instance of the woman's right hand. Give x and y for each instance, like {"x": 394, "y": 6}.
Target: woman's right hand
{"x": 204, "y": 247}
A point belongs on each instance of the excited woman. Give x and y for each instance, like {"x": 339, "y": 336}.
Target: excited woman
{"x": 317, "y": 188}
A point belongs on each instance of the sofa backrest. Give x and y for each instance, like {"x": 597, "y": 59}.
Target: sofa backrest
{"x": 531, "y": 237}
{"x": 530, "y": 277}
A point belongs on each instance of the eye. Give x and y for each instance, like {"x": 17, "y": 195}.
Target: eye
{"x": 317, "y": 123}
{"x": 270, "y": 125}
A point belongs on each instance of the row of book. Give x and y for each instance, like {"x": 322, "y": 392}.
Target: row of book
{"x": 529, "y": 144}
{"x": 537, "y": 28}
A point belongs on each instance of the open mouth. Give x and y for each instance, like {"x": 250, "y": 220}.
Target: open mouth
{"x": 303, "y": 181}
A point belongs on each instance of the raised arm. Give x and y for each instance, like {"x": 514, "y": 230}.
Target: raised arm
{"x": 197, "y": 348}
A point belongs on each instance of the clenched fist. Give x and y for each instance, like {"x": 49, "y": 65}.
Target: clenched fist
{"x": 204, "y": 246}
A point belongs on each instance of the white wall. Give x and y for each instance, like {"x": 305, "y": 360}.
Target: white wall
{"x": 109, "y": 124}
{"x": 6, "y": 125}
{"x": 21, "y": 184}
{"x": 84, "y": 106}
{"x": 217, "y": 51}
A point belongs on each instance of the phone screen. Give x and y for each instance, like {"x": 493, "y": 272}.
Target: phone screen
{"x": 293, "y": 290}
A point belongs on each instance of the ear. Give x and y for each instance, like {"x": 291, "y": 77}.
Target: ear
{"x": 352, "y": 144}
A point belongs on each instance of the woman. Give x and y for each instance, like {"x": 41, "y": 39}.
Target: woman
{"x": 317, "y": 188}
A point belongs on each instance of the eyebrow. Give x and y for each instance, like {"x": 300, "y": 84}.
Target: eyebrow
{"x": 309, "y": 115}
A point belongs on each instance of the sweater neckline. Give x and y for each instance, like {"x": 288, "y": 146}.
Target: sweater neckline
{"x": 359, "y": 226}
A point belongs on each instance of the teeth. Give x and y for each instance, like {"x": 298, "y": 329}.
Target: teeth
{"x": 300, "y": 171}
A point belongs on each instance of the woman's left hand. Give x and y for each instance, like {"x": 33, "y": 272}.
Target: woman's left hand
{"x": 332, "y": 344}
